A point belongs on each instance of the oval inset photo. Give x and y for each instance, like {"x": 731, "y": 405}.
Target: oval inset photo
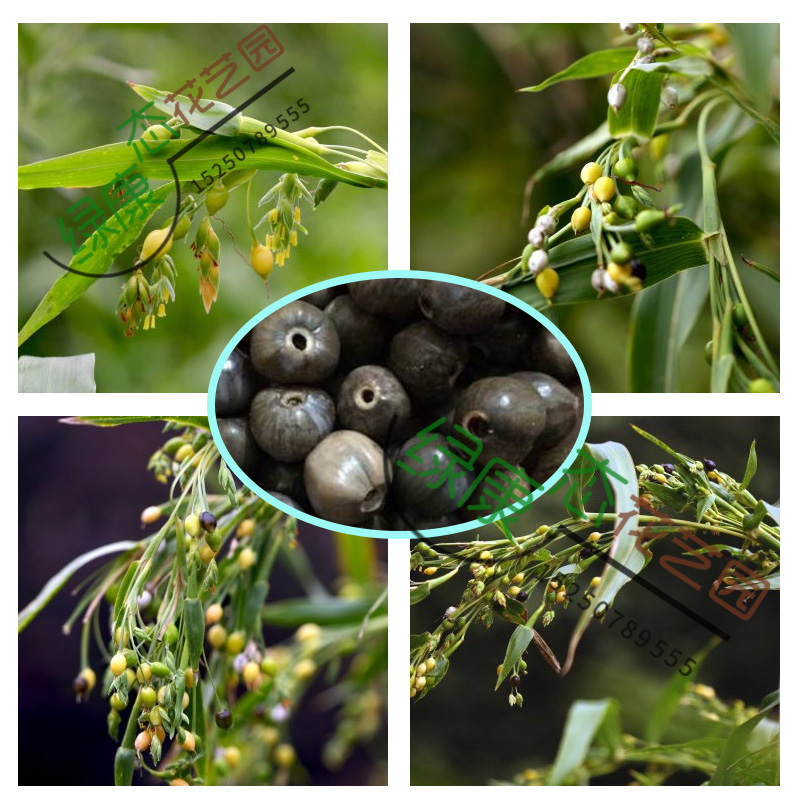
{"x": 399, "y": 404}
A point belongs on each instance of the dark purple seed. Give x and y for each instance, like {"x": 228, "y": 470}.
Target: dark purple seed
{"x": 669, "y": 468}
{"x": 709, "y": 465}
{"x": 208, "y": 522}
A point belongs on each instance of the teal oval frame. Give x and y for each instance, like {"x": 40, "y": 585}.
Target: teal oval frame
{"x": 383, "y": 275}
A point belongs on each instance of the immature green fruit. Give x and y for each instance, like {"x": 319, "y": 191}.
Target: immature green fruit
{"x": 547, "y": 282}
{"x": 192, "y": 525}
{"x": 182, "y": 227}
{"x": 118, "y": 665}
{"x": 591, "y": 172}
{"x": 626, "y": 206}
{"x": 171, "y": 633}
{"x": 117, "y": 703}
{"x": 160, "y": 669}
{"x": 284, "y": 756}
{"x": 760, "y": 385}
{"x": 235, "y": 643}
{"x": 261, "y": 260}
{"x": 214, "y": 540}
{"x": 603, "y": 189}
{"x": 216, "y": 198}
{"x": 217, "y": 636}
{"x": 621, "y": 252}
{"x": 740, "y": 316}
{"x": 153, "y": 242}
{"x": 648, "y": 219}
{"x": 625, "y": 168}
{"x": 581, "y": 218}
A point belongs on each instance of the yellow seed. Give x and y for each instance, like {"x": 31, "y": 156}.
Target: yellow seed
{"x": 421, "y": 670}
{"x": 213, "y": 614}
{"x": 715, "y": 476}
{"x": 561, "y": 597}
{"x": 150, "y": 514}
{"x": 591, "y": 172}
{"x": 251, "y": 672}
{"x": 304, "y": 669}
{"x": 206, "y": 554}
{"x": 661, "y": 478}
{"x": 247, "y": 558}
{"x": 153, "y": 241}
{"x": 90, "y": 677}
{"x": 118, "y": 665}
{"x": 188, "y": 743}
{"x": 413, "y": 692}
{"x": 217, "y": 636}
{"x": 245, "y": 528}
{"x": 619, "y": 273}
{"x": 430, "y": 570}
{"x": 581, "y": 219}
{"x": 603, "y": 189}
{"x": 143, "y": 673}
{"x": 189, "y": 675}
{"x": 543, "y": 529}
{"x": 185, "y": 700}
{"x": 309, "y": 632}
{"x": 485, "y": 556}
{"x": 120, "y": 634}
{"x": 235, "y": 643}
{"x": 593, "y": 537}
{"x": 284, "y": 755}
{"x": 162, "y": 696}
{"x": 595, "y": 582}
{"x": 554, "y": 585}
{"x": 130, "y": 677}
{"x": 518, "y": 578}
{"x": 232, "y": 756}
{"x": 261, "y": 260}
{"x": 514, "y": 591}
{"x": 269, "y": 736}
{"x": 499, "y": 668}
{"x": 143, "y": 741}
{"x": 430, "y": 664}
{"x": 192, "y": 522}
{"x": 419, "y": 684}
{"x": 547, "y": 282}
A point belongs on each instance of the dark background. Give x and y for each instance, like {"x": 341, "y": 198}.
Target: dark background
{"x": 80, "y": 488}
{"x": 475, "y": 141}
{"x": 464, "y": 733}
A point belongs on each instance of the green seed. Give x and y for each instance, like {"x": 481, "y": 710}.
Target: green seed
{"x": 621, "y": 252}
{"x": 626, "y": 168}
{"x": 760, "y": 385}
{"x": 626, "y": 206}
{"x": 160, "y": 669}
{"x": 648, "y": 219}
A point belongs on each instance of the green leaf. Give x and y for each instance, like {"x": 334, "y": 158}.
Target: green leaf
{"x": 704, "y": 505}
{"x": 356, "y": 558}
{"x": 756, "y": 46}
{"x": 57, "y": 582}
{"x": 661, "y": 320}
{"x": 692, "y": 67}
{"x": 752, "y": 466}
{"x": 323, "y": 611}
{"x": 670, "y": 698}
{"x": 419, "y": 591}
{"x": 736, "y": 746}
{"x": 64, "y": 374}
{"x": 69, "y": 287}
{"x": 517, "y": 645}
{"x": 594, "y": 65}
{"x": 101, "y": 165}
{"x": 639, "y": 113}
{"x": 587, "y": 720}
{"x": 624, "y": 548}
{"x": 676, "y": 245}
{"x": 112, "y": 422}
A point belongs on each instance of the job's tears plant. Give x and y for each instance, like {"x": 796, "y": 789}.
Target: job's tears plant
{"x": 206, "y": 168}
{"x": 676, "y": 110}
{"x": 195, "y": 695}
{"x": 532, "y": 580}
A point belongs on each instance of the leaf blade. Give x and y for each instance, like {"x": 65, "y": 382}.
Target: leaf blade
{"x": 594, "y": 65}
{"x": 57, "y": 374}
{"x": 639, "y": 113}
{"x": 518, "y": 643}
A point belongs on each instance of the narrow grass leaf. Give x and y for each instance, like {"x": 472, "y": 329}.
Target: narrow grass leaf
{"x": 752, "y": 466}
{"x": 662, "y": 318}
{"x": 674, "y": 247}
{"x": 594, "y": 65}
{"x": 57, "y": 582}
{"x": 690, "y": 66}
{"x": 577, "y": 153}
{"x": 328, "y": 611}
{"x": 756, "y": 46}
{"x": 737, "y": 744}
{"x": 704, "y": 505}
{"x": 517, "y": 645}
{"x": 587, "y": 720}
{"x": 64, "y": 374}
{"x": 70, "y": 286}
{"x": 620, "y": 474}
{"x": 639, "y": 113}
{"x": 419, "y": 592}
{"x": 356, "y": 558}
{"x": 670, "y": 698}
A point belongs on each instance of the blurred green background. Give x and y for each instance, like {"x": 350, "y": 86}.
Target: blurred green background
{"x": 475, "y": 141}
{"x": 464, "y": 733}
{"x": 72, "y": 96}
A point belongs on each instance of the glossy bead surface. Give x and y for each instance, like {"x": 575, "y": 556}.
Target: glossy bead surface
{"x": 237, "y": 386}
{"x": 363, "y": 337}
{"x": 238, "y": 439}
{"x": 298, "y": 343}
{"x": 287, "y": 422}
{"x": 395, "y": 298}
{"x": 371, "y": 399}
{"x": 426, "y": 360}
{"x": 561, "y": 405}
{"x": 505, "y": 414}
{"x": 457, "y": 309}
{"x": 346, "y": 478}
{"x": 548, "y": 355}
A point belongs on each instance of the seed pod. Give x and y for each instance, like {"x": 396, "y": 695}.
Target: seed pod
{"x": 195, "y": 627}
{"x": 296, "y": 344}
{"x": 182, "y": 227}
{"x": 370, "y": 400}
{"x": 603, "y": 189}
{"x": 216, "y": 198}
{"x": 288, "y": 422}
{"x": 591, "y": 172}
{"x": 547, "y": 282}
{"x": 124, "y": 763}
{"x": 160, "y": 669}
{"x": 156, "y": 243}
{"x": 344, "y": 477}
{"x": 617, "y": 95}
{"x": 459, "y": 310}
{"x": 261, "y": 260}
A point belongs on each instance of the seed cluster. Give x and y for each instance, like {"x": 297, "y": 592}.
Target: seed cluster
{"x": 381, "y": 403}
